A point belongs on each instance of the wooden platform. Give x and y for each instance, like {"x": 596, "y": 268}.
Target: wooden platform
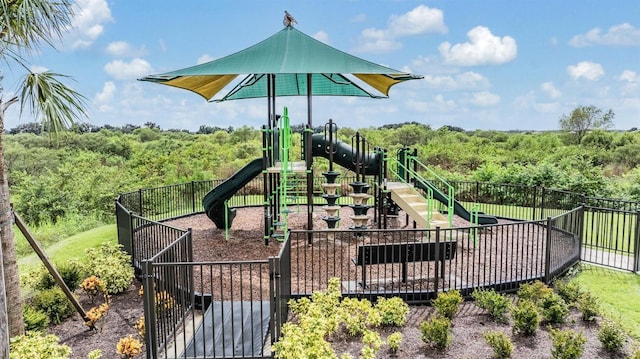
{"x": 296, "y": 167}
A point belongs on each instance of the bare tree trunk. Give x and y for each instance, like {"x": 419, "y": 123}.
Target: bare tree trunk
{"x": 9, "y": 260}
{"x": 4, "y": 324}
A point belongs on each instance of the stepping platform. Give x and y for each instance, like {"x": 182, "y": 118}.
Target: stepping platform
{"x": 296, "y": 167}
{"x": 416, "y": 206}
{"x": 231, "y": 330}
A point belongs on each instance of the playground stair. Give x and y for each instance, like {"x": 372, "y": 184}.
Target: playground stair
{"x": 416, "y": 206}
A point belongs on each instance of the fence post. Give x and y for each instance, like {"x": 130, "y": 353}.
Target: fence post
{"x": 547, "y": 253}
{"x": 437, "y": 261}
{"x": 149, "y": 310}
{"x": 636, "y": 245}
{"x": 140, "y": 192}
{"x": 581, "y": 229}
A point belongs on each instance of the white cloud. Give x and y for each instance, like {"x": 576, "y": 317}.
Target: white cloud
{"x": 618, "y": 35}
{"x": 107, "y": 94}
{"x": 586, "y": 69}
{"x": 629, "y": 76}
{"x": 420, "y": 20}
{"x": 322, "y": 36}
{"x": 550, "y": 90}
{"x": 132, "y": 70}
{"x": 485, "y": 99}
{"x": 87, "y": 22}
{"x": 124, "y": 49}
{"x": 204, "y": 58}
{"x": 359, "y": 18}
{"x": 464, "y": 81}
{"x": 483, "y": 48}
{"x": 38, "y": 69}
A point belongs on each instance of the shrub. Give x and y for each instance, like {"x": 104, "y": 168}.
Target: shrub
{"x": 70, "y": 272}
{"x": 302, "y": 339}
{"x": 394, "y": 339}
{"x": 611, "y": 336}
{"x": 357, "y": 315}
{"x": 554, "y": 309}
{"x": 436, "y": 332}
{"x": 35, "y": 345}
{"x": 568, "y": 290}
{"x": 500, "y": 343}
{"x": 95, "y": 354}
{"x": 372, "y": 344}
{"x": 525, "y": 317}
{"x": 164, "y": 302}
{"x": 567, "y": 344}
{"x": 54, "y": 303}
{"x": 112, "y": 265}
{"x": 588, "y": 305}
{"x": 95, "y": 314}
{"x": 447, "y": 303}
{"x": 534, "y": 291}
{"x": 393, "y": 311}
{"x": 92, "y": 286}
{"x": 128, "y": 347}
{"x": 495, "y": 303}
{"x": 34, "y": 319}
{"x": 140, "y": 327}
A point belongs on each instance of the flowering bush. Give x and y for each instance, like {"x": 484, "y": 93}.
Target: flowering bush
{"x": 129, "y": 347}
{"x": 92, "y": 286}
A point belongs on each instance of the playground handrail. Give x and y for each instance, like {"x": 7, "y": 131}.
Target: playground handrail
{"x": 400, "y": 167}
{"x": 450, "y": 190}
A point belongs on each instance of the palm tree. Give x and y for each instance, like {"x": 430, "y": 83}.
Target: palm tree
{"x": 24, "y": 25}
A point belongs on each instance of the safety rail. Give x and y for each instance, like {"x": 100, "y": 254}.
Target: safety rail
{"x": 396, "y": 174}
{"x": 450, "y": 191}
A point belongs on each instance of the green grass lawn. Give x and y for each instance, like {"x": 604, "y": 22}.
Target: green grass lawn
{"x": 618, "y": 292}
{"x": 71, "y": 247}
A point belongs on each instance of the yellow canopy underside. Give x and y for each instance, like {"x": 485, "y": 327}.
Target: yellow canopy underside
{"x": 208, "y": 86}
{"x": 204, "y": 85}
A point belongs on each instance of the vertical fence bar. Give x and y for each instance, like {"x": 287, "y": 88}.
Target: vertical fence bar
{"x": 547, "y": 252}
{"x": 636, "y": 245}
{"x": 151, "y": 337}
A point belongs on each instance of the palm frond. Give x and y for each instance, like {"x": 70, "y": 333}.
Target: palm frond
{"x": 54, "y": 104}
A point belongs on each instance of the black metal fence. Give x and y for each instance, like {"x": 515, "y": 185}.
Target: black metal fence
{"x": 236, "y": 309}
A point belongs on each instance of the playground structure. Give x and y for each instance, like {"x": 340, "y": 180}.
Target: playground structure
{"x": 399, "y": 183}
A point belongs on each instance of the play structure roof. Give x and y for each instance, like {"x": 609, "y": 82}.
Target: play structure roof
{"x": 291, "y": 55}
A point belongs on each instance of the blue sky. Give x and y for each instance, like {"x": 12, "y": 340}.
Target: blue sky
{"x": 495, "y": 64}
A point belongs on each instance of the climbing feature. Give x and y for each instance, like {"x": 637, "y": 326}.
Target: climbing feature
{"x": 360, "y": 188}
{"x": 330, "y": 187}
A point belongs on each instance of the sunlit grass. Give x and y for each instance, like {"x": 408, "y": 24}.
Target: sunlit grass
{"x": 618, "y": 292}
{"x": 71, "y": 247}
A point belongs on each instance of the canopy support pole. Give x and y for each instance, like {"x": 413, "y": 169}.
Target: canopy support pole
{"x": 309, "y": 157}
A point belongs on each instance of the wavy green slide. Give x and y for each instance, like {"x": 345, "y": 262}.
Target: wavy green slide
{"x": 213, "y": 201}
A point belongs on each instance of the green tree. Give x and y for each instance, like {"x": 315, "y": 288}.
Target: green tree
{"x": 24, "y": 25}
{"x": 585, "y": 118}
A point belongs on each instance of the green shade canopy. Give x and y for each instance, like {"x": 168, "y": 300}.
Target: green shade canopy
{"x": 290, "y": 55}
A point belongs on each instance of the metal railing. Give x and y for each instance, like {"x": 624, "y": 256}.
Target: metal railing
{"x": 549, "y": 231}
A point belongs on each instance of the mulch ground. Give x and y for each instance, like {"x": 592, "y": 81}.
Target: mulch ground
{"x": 245, "y": 243}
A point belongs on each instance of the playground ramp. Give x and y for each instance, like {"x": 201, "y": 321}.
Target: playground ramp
{"x": 416, "y": 206}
